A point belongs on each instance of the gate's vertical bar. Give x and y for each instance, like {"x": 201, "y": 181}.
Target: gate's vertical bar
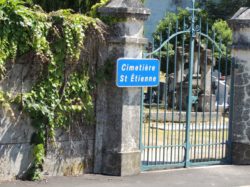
{"x": 218, "y": 102}
{"x": 149, "y": 120}
{"x": 214, "y": 132}
{"x": 175, "y": 85}
{"x": 190, "y": 78}
{"x": 149, "y": 123}
{"x": 173, "y": 129}
{"x": 157, "y": 112}
{"x": 144, "y": 135}
{"x": 181, "y": 131}
{"x": 196, "y": 136}
{"x": 204, "y": 100}
{"x": 198, "y": 90}
{"x": 166, "y": 101}
{"x": 211, "y": 95}
{"x": 142, "y": 125}
{"x": 141, "y": 122}
{"x": 152, "y": 129}
{"x": 224, "y": 108}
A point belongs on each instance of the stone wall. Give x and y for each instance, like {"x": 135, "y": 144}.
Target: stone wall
{"x": 15, "y": 148}
{"x": 73, "y": 153}
{"x": 240, "y": 24}
{"x": 15, "y": 128}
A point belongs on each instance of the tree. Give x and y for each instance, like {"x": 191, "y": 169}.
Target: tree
{"x": 218, "y": 27}
{"x": 81, "y": 6}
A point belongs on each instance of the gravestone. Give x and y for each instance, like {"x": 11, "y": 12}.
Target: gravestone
{"x": 221, "y": 91}
{"x": 207, "y": 99}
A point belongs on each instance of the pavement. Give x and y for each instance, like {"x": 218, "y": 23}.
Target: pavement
{"x": 215, "y": 176}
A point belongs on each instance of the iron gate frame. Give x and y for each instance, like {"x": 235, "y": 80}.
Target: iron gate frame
{"x": 193, "y": 31}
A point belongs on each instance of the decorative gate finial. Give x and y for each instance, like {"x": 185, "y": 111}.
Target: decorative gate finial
{"x": 193, "y": 9}
{"x": 193, "y": 29}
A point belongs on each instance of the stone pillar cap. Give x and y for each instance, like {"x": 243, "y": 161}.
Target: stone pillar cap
{"x": 239, "y": 22}
{"x": 242, "y": 14}
{"x": 241, "y": 19}
{"x": 124, "y": 8}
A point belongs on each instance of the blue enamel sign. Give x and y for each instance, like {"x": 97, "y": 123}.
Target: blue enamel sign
{"x": 137, "y": 72}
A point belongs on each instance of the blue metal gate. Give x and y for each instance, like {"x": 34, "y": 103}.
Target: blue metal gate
{"x": 185, "y": 121}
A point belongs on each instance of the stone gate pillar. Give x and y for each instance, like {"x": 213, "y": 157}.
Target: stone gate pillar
{"x": 240, "y": 24}
{"x": 118, "y": 109}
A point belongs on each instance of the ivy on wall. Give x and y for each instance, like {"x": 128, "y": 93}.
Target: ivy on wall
{"x": 64, "y": 89}
{"x": 81, "y": 6}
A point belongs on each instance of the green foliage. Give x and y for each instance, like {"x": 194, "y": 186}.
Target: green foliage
{"x": 93, "y": 12}
{"x": 168, "y": 24}
{"x": 223, "y": 34}
{"x": 109, "y": 20}
{"x": 169, "y": 21}
{"x": 220, "y": 27}
{"x": 64, "y": 90}
{"x": 34, "y": 172}
{"x": 5, "y": 102}
{"x": 39, "y": 154}
{"x": 81, "y": 6}
{"x": 22, "y": 29}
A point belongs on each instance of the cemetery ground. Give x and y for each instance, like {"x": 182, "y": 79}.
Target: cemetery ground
{"x": 216, "y": 176}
